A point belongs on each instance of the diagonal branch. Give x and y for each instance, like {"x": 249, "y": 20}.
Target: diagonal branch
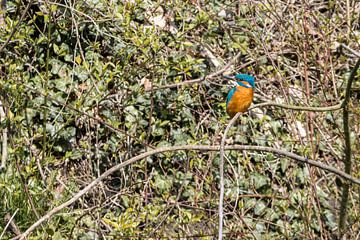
{"x": 356, "y": 53}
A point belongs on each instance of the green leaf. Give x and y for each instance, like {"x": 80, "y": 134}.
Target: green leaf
{"x": 259, "y": 208}
{"x": 56, "y": 49}
{"x": 284, "y": 164}
{"x": 258, "y": 181}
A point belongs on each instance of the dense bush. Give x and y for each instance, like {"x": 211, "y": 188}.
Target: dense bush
{"x": 80, "y": 84}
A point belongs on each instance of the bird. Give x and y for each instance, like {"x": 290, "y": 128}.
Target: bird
{"x": 241, "y": 96}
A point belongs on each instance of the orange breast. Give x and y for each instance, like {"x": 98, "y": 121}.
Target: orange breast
{"x": 240, "y": 101}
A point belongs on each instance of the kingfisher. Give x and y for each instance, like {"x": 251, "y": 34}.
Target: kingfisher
{"x": 241, "y": 96}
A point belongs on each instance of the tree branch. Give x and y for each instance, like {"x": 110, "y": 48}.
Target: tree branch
{"x": 347, "y": 158}
{"x": 116, "y": 168}
{"x": 221, "y": 169}
{"x": 298, "y": 108}
{"x": 346, "y": 186}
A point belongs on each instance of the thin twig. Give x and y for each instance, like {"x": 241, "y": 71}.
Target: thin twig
{"x": 180, "y": 191}
{"x": 356, "y": 53}
{"x": 91, "y": 20}
{"x": 116, "y": 168}
{"x": 10, "y": 224}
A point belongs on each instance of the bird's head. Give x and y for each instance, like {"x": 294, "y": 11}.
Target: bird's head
{"x": 239, "y": 78}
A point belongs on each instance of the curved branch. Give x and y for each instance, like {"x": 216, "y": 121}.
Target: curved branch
{"x": 178, "y": 148}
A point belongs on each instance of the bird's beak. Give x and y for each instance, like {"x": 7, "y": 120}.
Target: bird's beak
{"x": 234, "y": 83}
{"x": 229, "y": 77}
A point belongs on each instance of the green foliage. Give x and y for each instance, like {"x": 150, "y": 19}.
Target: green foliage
{"x": 74, "y": 81}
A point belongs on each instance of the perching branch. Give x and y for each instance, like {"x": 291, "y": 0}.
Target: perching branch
{"x": 116, "y": 168}
{"x": 221, "y": 169}
{"x": 298, "y": 108}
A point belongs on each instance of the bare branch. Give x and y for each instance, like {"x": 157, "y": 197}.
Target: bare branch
{"x": 221, "y": 169}
{"x": 298, "y": 108}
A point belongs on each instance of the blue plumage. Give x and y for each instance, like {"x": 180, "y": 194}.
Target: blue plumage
{"x": 230, "y": 94}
